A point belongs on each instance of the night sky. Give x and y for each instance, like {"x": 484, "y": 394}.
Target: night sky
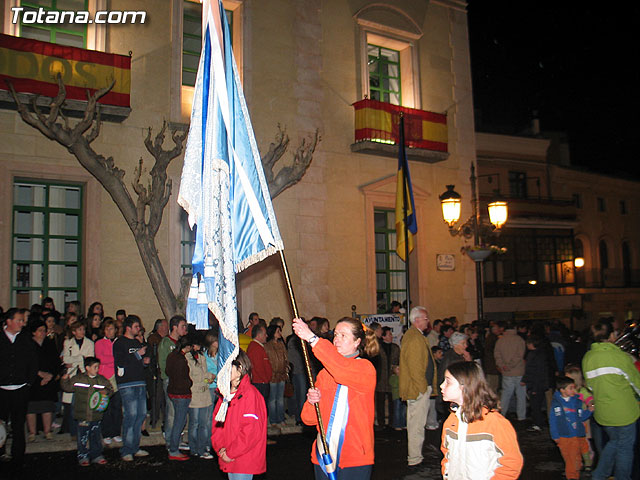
{"x": 575, "y": 64}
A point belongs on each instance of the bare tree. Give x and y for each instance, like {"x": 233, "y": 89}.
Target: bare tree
{"x": 144, "y": 213}
{"x": 152, "y": 198}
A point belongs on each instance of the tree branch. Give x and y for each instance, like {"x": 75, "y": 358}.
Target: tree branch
{"x": 160, "y": 189}
{"x": 90, "y": 111}
{"x": 143, "y": 196}
{"x": 290, "y": 175}
{"x": 65, "y": 120}
{"x": 95, "y": 131}
{"x": 41, "y": 118}
{"x": 57, "y": 102}
{"x": 276, "y": 150}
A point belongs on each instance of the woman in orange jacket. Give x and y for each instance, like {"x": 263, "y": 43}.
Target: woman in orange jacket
{"x": 344, "y": 390}
{"x": 477, "y": 442}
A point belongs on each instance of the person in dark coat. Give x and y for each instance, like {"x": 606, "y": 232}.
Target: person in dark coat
{"x": 489, "y": 360}
{"x": 388, "y": 357}
{"x": 536, "y": 379}
{"x": 540, "y": 330}
{"x": 179, "y": 391}
{"x": 474, "y": 344}
{"x": 54, "y": 331}
{"x": 18, "y": 371}
{"x": 576, "y": 349}
{"x": 43, "y": 395}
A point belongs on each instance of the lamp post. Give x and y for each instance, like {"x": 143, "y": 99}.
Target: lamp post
{"x": 451, "y": 202}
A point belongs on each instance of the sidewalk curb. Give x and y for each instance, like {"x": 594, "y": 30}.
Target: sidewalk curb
{"x": 64, "y": 443}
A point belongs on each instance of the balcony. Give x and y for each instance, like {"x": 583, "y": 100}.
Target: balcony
{"x": 377, "y": 131}
{"x": 538, "y": 209}
{"x": 527, "y": 202}
{"x": 32, "y": 66}
{"x": 526, "y": 289}
{"x": 607, "y": 278}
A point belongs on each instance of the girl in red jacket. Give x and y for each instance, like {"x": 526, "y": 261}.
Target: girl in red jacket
{"x": 344, "y": 389}
{"x": 477, "y": 442}
{"x": 241, "y": 440}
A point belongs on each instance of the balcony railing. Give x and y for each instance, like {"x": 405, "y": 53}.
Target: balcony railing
{"x": 487, "y": 196}
{"x": 377, "y": 131}
{"x": 607, "y": 278}
{"x": 540, "y": 289}
{"x": 533, "y": 207}
{"x": 31, "y": 66}
{"x": 592, "y": 278}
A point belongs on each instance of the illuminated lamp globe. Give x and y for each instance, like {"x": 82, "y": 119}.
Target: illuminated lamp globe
{"x": 498, "y": 213}
{"x": 578, "y": 262}
{"x": 451, "y": 202}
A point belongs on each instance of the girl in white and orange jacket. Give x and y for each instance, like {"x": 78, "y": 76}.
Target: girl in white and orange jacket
{"x": 477, "y": 442}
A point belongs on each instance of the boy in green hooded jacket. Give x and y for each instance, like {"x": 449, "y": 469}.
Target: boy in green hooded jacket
{"x": 89, "y": 402}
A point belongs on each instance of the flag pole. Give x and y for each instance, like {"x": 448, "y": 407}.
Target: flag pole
{"x": 406, "y": 221}
{"x": 305, "y": 351}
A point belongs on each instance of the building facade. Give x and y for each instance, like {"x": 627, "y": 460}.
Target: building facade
{"x": 558, "y": 214}
{"x": 303, "y": 65}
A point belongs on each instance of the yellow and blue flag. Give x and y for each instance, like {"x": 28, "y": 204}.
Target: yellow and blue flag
{"x": 404, "y": 201}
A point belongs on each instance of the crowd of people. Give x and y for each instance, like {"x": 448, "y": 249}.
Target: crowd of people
{"x": 558, "y": 378}
{"x": 466, "y": 378}
{"x": 97, "y": 378}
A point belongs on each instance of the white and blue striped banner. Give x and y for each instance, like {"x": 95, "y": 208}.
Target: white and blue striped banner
{"x": 336, "y": 429}
{"x": 223, "y": 189}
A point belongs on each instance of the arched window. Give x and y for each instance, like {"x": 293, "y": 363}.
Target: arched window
{"x": 388, "y": 56}
{"x": 578, "y": 252}
{"x": 626, "y": 264}
{"x": 604, "y": 260}
{"x": 578, "y": 248}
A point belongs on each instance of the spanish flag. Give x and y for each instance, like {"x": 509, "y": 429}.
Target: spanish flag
{"x": 404, "y": 201}
{"x": 378, "y": 122}
{"x": 31, "y": 67}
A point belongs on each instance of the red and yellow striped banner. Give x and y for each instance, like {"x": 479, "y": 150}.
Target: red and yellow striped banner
{"x": 31, "y": 66}
{"x": 378, "y": 122}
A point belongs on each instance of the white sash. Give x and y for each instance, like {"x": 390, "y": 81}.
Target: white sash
{"x": 335, "y": 432}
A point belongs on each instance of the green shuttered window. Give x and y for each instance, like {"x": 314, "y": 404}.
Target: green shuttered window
{"x": 46, "y": 258}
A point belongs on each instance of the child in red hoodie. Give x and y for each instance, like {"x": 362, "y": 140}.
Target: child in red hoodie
{"x": 241, "y": 440}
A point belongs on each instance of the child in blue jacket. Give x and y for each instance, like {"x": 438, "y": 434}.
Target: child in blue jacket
{"x": 566, "y": 425}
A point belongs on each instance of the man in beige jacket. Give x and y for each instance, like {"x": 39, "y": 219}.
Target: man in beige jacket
{"x": 418, "y": 377}
{"x": 509, "y": 355}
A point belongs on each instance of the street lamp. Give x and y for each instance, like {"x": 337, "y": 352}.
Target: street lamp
{"x": 498, "y": 213}
{"x": 451, "y": 207}
{"x": 451, "y": 202}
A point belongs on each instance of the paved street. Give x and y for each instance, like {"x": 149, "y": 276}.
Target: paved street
{"x": 288, "y": 459}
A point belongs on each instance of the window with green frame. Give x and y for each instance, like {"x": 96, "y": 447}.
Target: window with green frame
{"x": 46, "y": 258}
{"x": 187, "y": 244}
{"x": 192, "y": 39}
{"x": 73, "y": 35}
{"x": 384, "y": 74}
{"x": 390, "y": 269}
